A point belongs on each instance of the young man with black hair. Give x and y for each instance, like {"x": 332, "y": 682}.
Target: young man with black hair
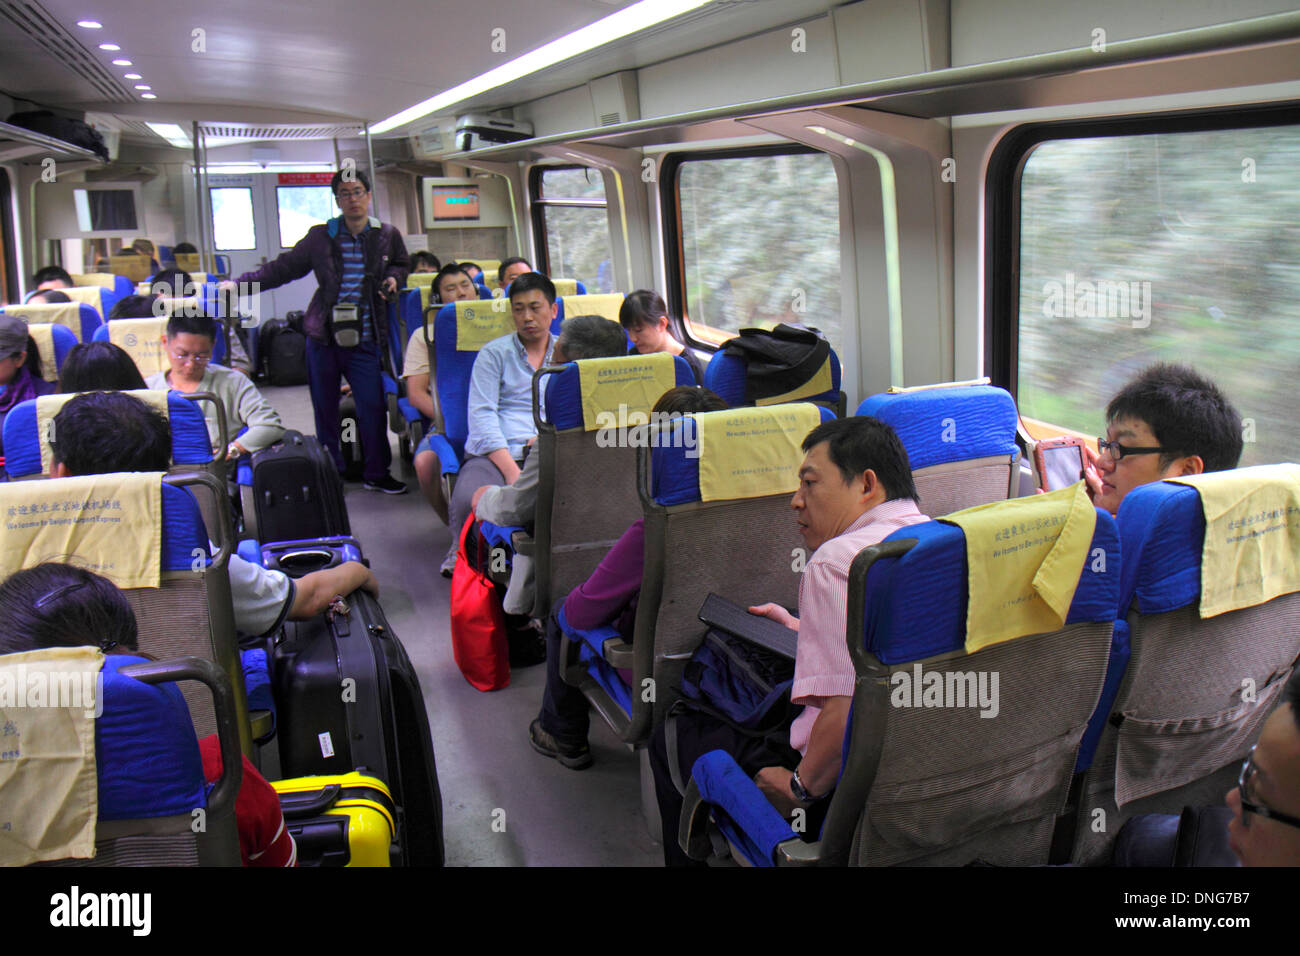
{"x": 422, "y": 261}
{"x": 855, "y": 489}
{"x": 511, "y": 269}
{"x": 100, "y": 433}
{"x": 1167, "y": 422}
{"x": 501, "y": 400}
{"x": 188, "y": 344}
{"x": 52, "y": 277}
{"x": 357, "y": 260}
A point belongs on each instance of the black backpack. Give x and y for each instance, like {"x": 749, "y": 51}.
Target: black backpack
{"x": 284, "y": 350}
{"x": 778, "y": 361}
{"x": 72, "y": 131}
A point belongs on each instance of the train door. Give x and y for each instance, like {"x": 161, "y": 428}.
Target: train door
{"x": 257, "y": 217}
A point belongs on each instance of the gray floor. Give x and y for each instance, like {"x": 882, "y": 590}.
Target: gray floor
{"x": 503, "y": 804}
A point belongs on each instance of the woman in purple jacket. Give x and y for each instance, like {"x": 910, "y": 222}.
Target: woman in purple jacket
{"x": 20, "y": 369}
{"x": 607, "y": 597}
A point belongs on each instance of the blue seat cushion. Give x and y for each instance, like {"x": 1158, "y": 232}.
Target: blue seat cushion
{"x": 916, "y": 604}
{"x": 675, "y": 469}
{"x": 563, "y": 395}
{"x": 1162, "y": 530}
{"x": 148, "y": 758}
{"x": 949, "y": 424}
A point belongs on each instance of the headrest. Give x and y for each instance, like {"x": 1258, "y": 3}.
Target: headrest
{"x": 142, "y": 340}
{"x": 725, "y": 376}
{"x": 569, "y": 287}
{"x": 471, "y": 325}
{"x": 1162, "y": 525}
{"x": 134, "y": 267}
{"x": 54, "y": 342}
{"x": 606, "y": 305}
{"x": 916, "y": 604}
{"x": 34, "y": 502}
{"x": 190, "y": 444}
{"x": 563, "y": 391}
{"x": 675, "y": 459}
{"x": 146, "y": 752}
{"x": 98, "y": 298}
{"x": 187, "y": 262}
{"x": 79, "y": 319}
{"x": 948, "y": 424}
{"x": 105, "y": 280}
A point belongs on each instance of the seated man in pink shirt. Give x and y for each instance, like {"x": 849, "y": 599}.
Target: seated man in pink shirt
{"x": 855, "y": 489}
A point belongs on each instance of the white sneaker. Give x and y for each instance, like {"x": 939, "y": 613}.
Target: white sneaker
{"x": 449, "y": 562}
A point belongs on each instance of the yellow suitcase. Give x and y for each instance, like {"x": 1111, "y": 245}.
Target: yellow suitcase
{"x": 340, "y": 819}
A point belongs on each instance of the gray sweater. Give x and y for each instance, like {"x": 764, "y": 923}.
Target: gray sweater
{"x": 245, "y": 407}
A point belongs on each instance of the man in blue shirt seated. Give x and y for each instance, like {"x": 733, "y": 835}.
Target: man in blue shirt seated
{"x": 500, "y": 397}
{"x": 99, "y": 433}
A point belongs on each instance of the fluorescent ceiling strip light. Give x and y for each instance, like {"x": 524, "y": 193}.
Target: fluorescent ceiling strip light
{"x": 637, "y": 17}
{"x": 172, "y": 133}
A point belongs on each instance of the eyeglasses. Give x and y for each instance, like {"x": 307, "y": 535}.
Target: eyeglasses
{"x": 1248, "y": 805}
{"x": 198, "y": 358}
{"x": 351, "y": 193}
{"x": 1118, "y": 451}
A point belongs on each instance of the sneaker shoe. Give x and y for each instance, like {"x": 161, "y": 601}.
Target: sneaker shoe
{"x": 575, "y": 758}
{"x": 388, "y": 485}
{"x": 449, "y": 562}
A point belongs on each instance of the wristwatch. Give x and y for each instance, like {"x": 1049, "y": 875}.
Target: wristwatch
{"x": 798, "y": 789}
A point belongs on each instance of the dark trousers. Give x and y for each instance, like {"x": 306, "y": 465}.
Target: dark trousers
{"x": 326, "y": 365}
{"x": 697, "y": 734}
{"x": 564, "y": 709}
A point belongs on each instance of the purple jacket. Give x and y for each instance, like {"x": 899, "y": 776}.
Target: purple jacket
{"x": 319, "y": 252}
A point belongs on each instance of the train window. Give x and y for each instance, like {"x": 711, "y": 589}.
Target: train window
{"x": 759, "y": 242}
{"x": 232, "y": 217}
{"x": 1169, "y": 246}
{"x": 571, "y": 225}
{"x": 300, "y": 208}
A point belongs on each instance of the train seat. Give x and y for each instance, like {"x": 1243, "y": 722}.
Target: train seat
{"x": 150, "y": 784}
{"x": 725, "y": 376}
{"x": 569, "y": 287}
{"x": 54, "y": 342}
{"x": 586, "y": 493}
{"x": 189, "y": 613}
{"x": 142, "y": 340}
{"x": 960, "y": 441}
{"x": 606, "y": 306}
{"x": 695, "y": 543}
{"x": 404, "y": 418}
{"x": 1187, "y": 694}
{"x": 79, "y": 318}
{"x": 119, "y": 285}
{"x": 931, "y": 781}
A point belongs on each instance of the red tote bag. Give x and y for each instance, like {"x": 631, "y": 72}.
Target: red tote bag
{"x": 478, "y": 625}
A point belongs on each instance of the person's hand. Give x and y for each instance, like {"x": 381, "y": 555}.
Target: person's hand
{"x": 776, "y": 613}
{"x": 473, "y": 503}
{"x": 1091, "y": 478}
{"x": 371, "y": 583}
{"x": 533, "y": 440}
{"x": 389, "y": 286}
{"x": 235, "y": 450}
{"x": 774, "y": 782}
{"x": 345, "y": 389}
{"x": 227, "y": 285}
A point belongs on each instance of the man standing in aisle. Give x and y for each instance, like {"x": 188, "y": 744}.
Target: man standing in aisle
{"x": 358, "y": 261}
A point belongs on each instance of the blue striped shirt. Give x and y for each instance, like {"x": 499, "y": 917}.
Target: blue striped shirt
{"x": 352, "y": 282}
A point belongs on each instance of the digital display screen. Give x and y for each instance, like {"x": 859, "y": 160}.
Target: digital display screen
{"x": 455, "y": 203}
{"x": 1062, "y": 466}
{"x": 105, "y": 210}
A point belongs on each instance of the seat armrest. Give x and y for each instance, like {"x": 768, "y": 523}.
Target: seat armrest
{"x": 717, "y": 780}
{"x": 618, "y": 653}
{"x": 523, "y": 543}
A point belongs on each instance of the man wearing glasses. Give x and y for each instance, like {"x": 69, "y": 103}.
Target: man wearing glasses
{"x": 357, "y": 261}
{"x": 1265, "y": 804}
{"x": 1167, "y": 422}
{"x": 187, "y": 345}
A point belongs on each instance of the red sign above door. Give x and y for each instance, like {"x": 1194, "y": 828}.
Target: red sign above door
{"x": 305, "y": 179}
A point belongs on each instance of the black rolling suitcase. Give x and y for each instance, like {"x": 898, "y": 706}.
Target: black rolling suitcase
{"x": 348, "y": 698}
{"x": 297, "y": 492}
{"x": 350, "y": 440}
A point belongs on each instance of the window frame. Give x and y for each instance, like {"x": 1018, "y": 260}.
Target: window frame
{"x": 538, "y": 203}
{"x": 1002, "y": 207}
{"x": 670, "y": 200}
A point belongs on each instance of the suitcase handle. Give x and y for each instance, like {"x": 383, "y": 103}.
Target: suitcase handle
{"x": 309, "y": 804}
{"x": 305, "y": 561}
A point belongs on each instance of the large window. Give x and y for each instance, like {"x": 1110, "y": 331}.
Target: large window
{"x": 300, "y": 208}
{"x": 232, "y": 218}
{"x": 759, "y": 239}
{"x": 572, "y": 226}
{"x": 1175, "y": 246}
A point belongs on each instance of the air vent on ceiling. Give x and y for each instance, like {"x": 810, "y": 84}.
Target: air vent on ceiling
{"x": 279, "y": 131}
{"x": 44, "y": 29}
